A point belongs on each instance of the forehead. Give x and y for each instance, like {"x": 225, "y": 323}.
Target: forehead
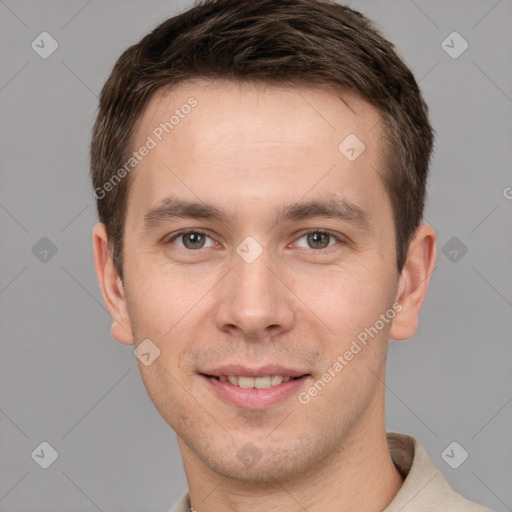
{"x": 241, "y": 111}
{"x": 263, "y": 141}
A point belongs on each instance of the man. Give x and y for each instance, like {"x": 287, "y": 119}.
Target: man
{"x": 260, "y": 172}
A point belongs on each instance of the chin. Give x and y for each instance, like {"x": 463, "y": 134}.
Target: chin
{"x": 268, "y": 466}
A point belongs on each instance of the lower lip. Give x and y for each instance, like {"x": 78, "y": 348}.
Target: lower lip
{"x": 254, "y": 398}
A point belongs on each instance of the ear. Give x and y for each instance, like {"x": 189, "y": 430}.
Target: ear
{"x": 111, "y": 286}
{"x": 413, "y": 282}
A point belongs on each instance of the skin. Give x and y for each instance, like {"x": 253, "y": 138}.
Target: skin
{"x": 249, "y": 149}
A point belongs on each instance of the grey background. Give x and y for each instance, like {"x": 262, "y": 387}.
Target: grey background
{"x": 64, "y": 380}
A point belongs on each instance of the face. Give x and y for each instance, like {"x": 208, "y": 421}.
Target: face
{"x": 258, "y": 246}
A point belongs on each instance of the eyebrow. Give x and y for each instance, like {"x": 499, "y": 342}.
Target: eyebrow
{"x": 341, "y": 209}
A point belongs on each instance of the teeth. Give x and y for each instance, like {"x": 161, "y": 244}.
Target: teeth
{"x": 262, "y": 382}
{"x": 276, "y": 379}
{"x": 246, "y": 382}
{"x": 254, "y": 382}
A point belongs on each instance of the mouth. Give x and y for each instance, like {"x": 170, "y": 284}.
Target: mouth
{"x": 261, "y": 382}
{"x": 254, "y": 389}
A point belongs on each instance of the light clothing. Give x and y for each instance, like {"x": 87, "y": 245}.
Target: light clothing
{"x": 424, "y": 489}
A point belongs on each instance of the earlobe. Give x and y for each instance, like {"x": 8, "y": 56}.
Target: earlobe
{"x": 121, "y": 334}
{"x": 111, "y": 286}
{"x": 413, "y": 283}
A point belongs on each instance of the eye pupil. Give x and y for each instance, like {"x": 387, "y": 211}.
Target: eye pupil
{"x": 193, "y": 240}
{"x": 318, "y": 240}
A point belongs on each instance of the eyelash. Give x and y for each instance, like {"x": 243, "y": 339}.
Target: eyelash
{"x": 200, "y": 232}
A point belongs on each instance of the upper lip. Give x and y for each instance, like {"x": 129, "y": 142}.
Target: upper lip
{"x": 261, "y": 371}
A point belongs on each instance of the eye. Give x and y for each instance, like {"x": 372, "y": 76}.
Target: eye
{"x": 317, "y": 240}
{"x": 191, "y": 239}
{"x": 194, "y": 239}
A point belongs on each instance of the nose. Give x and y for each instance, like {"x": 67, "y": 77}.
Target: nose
{"x": 255, "y": 302}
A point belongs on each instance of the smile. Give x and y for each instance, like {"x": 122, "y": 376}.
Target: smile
{"x": 255, "y": 382}
{"x": 254, "y": 392}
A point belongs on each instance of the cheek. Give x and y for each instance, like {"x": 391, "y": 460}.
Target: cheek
{"x": 172, "y": 315}
{"x": 160, "y": 301}
{"x": 346, "y": 300}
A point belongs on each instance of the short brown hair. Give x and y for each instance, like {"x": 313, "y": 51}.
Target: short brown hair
{"x": 281, "y": 42}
